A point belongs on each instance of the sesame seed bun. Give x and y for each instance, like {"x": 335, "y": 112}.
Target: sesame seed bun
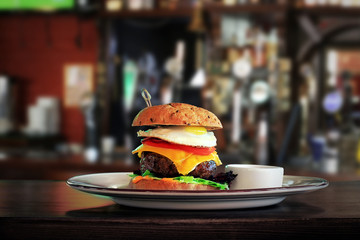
{"x": 177, "y": 114}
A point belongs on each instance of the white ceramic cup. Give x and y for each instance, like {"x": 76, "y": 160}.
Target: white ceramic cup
{"x": 250, "y": 176}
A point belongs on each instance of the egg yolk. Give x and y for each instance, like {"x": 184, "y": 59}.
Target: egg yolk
{"x": 196, "y": 130}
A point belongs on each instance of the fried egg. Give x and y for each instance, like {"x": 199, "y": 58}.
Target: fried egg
{"x": 190, "y": 136}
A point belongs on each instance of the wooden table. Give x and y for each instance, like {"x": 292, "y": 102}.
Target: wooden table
{"x": 59, "y": 167}
{"x": 52, "y": 210}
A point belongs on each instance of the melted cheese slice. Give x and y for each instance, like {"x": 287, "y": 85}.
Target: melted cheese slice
{"x": 185, "y": 162}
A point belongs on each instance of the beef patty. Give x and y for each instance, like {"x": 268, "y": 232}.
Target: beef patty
{"x": 164, "y": 167}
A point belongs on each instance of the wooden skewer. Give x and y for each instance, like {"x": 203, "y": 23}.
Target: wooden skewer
{"x": 147, "y": 97}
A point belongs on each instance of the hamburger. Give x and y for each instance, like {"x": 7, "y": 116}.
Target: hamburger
{"x": 178, "y": 150}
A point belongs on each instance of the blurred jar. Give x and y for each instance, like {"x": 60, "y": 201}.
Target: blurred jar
{"x": 107, "y": 145}
{"x": 330, "y": 162}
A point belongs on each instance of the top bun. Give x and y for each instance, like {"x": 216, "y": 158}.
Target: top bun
{"x": 177, "y": 114}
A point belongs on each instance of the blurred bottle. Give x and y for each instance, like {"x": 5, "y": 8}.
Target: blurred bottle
{"x": 283, "y": 90}
{"x": 334, "y": 2}
{"x": 233, "y": 51}
{"x": 242, "y": 70}
{"x": 272, "y": 46}
{"x": 114, "y": 5}
{"x": 333, "y": 99}
{"x": 148, "y": 4}
{"x": 346, "y": 111}
{"x": 310, "y": 3}
{"x": 259, "y": 48}
{"x": 130, "y": 82}
{"x": 262, "y": 146}
{"x": 92, "y": 113}
{"x": 107, "y": 148}
{"x": 130, "y": 76}
{"x": 330, "y": 161}
{"x": 52, "y": 106}
{"x": 8, "y": 96}
{"x": 174, "y": 68}
{"x": 135, "y": 5}
{"x": 229, "y": 2}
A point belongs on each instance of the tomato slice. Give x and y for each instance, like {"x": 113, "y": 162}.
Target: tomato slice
{"x": 156, "y": 142}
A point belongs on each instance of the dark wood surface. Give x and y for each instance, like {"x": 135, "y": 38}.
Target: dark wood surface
{"x": 52, "y": 210}
{"x": 58, "y": 167}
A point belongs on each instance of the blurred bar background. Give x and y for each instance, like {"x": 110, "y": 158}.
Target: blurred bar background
{"x": 283, "y": 77}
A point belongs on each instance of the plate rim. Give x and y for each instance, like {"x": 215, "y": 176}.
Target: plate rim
{"x": 284, "y": 190}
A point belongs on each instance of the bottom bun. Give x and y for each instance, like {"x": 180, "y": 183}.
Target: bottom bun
{"x": 153, "y": 184}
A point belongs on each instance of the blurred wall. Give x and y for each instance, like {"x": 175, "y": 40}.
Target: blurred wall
{"x": 34, "y": 50}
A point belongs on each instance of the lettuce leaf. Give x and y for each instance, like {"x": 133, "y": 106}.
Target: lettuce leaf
{"x": 188, "y": 179}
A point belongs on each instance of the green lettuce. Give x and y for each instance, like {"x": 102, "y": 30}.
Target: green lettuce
{"x": 188, "y": 179}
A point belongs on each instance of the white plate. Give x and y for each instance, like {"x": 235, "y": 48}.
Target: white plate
{"x": 115, "y": 185}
